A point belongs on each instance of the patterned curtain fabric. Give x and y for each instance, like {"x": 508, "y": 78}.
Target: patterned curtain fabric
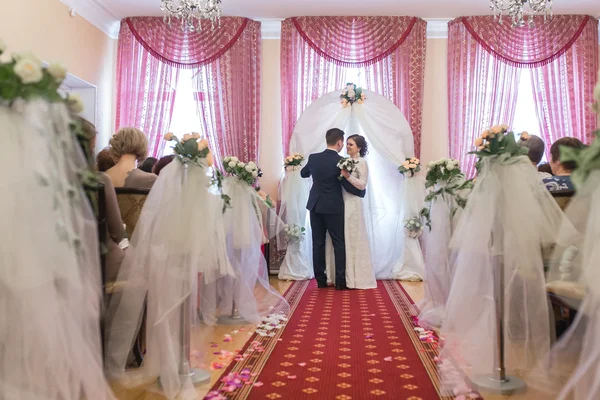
{"x": 231, "y": 97}
{"x": 316, "y": 51}
{"x": 485, "y": 60}
{"x": 150, "y": 56}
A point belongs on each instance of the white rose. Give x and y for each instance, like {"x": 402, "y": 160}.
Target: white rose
{"x": 249, "y": 168}
{"x": 450, "y": 167}
{"x": 241, "y": 164}
{"x": 254, "y": 174}
{"x": 57, "y": 71}
{"x": 27, "y": 55}
{"x": 351, "y": 94}
{"x": 234, "y": 159}
{"x": 28, "y": 70}
{"x": 2, "y": 46}
{"x": 232, "y": 164}
{"x": 75, "y": 103}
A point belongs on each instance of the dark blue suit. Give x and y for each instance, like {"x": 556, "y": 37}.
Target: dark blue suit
{"x": 326, "y": 206}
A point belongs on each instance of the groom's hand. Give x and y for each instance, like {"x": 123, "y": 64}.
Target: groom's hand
{"x": 345, "y": 174}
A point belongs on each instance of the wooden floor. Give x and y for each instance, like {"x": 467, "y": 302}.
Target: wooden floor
{"x": 237, "y": 336}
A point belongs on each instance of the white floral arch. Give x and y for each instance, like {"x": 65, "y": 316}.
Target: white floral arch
{"x": 391, "y": 198}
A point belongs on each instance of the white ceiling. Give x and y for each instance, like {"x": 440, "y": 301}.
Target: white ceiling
{"x": 289, "y": 8}
{"x": 106, "y": 14}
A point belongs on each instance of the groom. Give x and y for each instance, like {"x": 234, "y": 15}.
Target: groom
{"x": 326, "y": 206}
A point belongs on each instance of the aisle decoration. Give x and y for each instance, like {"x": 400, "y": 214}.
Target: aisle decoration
{"x": 294, "y": 233}
{"x": 293, "y": 162}
{"x": 498, "y": 141}
{"x": 451, "y": 182}
{"x": 247, "y": 172}
{"x": 352, "y": 94}
{"x": 346, "y": 164}
{"x": 191, "y": 149}
{"x": 411, "y": 166}
{"x": 413, "y": 228}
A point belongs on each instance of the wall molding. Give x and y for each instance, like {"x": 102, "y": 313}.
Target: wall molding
{"x": 96, "y": 14}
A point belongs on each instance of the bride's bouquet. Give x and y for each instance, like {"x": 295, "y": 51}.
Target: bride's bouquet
{"x": 411, "y": 165}
{"x": 293, "y": 162}
{"x": 347, "y": 164}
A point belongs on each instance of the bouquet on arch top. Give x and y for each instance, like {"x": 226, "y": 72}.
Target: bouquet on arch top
{"x": 498, "y": 141}
{"x": 293, "y": 162}
{"x": 351, "y": 94}
{"x": 346, "y": 164}
{"x": 411, "y": 166}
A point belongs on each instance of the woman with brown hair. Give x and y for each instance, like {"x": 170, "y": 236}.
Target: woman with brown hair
{"x": 128, "y": 147}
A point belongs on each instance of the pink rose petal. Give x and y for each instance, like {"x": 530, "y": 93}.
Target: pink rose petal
{"x": 291, "y": 377}
{"x": 387, "y": 359}
{"x": 302, "y": 364}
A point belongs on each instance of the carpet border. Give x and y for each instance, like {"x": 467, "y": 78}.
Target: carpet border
{"x": 426, "y": 351}
{"x": 293, "y": 296}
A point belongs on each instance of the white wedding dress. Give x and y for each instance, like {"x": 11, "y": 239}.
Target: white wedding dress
{"x": 359, "y": 265}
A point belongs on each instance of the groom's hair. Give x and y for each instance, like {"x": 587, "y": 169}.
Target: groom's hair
{"x": 333, "y": 136}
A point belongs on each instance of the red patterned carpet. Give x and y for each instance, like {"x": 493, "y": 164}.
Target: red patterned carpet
{"x": 340, "y": 345}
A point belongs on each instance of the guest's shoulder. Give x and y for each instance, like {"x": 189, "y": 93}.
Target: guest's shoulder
{"x": 140, "y": 179}
{"x": 558, "y": 183}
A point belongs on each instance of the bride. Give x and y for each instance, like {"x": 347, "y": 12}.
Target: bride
{"x": 359, "y": 266}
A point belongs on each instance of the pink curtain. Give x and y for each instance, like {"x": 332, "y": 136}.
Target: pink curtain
{"x": 316, "y": 52}
{"x": 484, "y": 62}
{"x": 150, "y": 56}
{"x": 231, "y": 89}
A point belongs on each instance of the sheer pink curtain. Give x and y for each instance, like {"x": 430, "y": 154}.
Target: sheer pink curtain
{"x": 150, "y": 56}
{"x": 484, "y": 62}
{"x": 316, "y": 52}
{"x": 231, "y": 91}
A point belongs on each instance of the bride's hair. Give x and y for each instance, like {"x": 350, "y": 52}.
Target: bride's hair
{"x": 361, "y": 143}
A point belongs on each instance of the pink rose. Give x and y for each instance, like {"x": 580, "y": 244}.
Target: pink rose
{"x": 478, "y": 142}
{"x": 168, "y": 137}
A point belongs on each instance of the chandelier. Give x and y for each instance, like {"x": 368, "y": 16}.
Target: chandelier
{"x": 191, "y": 13}
{"x": 517, "y": 10}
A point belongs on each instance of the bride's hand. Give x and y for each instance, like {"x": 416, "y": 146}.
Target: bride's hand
{"x": 345, "y": 174}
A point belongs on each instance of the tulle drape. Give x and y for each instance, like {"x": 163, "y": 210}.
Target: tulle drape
{"x": 179, "y": 238}
{"x": 571, "y": 369}
{"x": 50, "y": 283}
{"x": 248, "y": 289}
{"x": 508, "y": 218}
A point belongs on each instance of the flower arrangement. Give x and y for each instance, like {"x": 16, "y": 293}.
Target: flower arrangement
{"x": 444, "y": 169}
{"x": 498, "y": 141}
{"x": 247, "y": 172}
{"x": 24, "y": 77}
{"x": 346, "y": 164}
{"x": 411, "y": 165}
{"x": 294, "y": 233}
{"x": 352, "y": 94}
{"x": 190, "y": 149}
{"x": 413, "y": 228}
{"x": 293, "y": 162}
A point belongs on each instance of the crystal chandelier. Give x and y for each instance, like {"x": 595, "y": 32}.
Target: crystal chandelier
{"x": 517, "y": 10}
{"x": 190, "y": 13}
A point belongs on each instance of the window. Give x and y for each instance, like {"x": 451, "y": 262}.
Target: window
{"x": 526, "y": 119}
{"x": 185, "y": 117}
{"x": 356, "y": 76}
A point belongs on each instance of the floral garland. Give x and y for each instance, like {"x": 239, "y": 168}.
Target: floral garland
{"x": 498, "y": 141}
{"x": 411, "y": 165}
{"x": 445, "y": 170}
{"x": 293, "y": 162}
{"x": 351, "y": 94}
{"x": 294, "y": 233}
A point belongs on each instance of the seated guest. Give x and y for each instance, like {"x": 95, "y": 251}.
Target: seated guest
{"x": 561, "y": 181}
{"x": 104, "y": 160}
{"x": 148, "y": 164}
{"x": 545, "y": 167}
{"x": 127, "y": 147}
{"x": 116, "y": 242}
{"x": 535, "y": 146}
{"x": 163, "y": 162}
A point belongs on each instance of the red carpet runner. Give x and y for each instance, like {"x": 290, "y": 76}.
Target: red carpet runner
{"x": 341, "y": 345}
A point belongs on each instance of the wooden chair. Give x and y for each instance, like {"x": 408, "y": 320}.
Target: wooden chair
{"x": 131, "y": 202}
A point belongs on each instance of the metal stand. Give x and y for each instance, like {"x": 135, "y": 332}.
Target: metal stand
{"x": 197, "y": 376}
{"x": 499, "y": 382}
